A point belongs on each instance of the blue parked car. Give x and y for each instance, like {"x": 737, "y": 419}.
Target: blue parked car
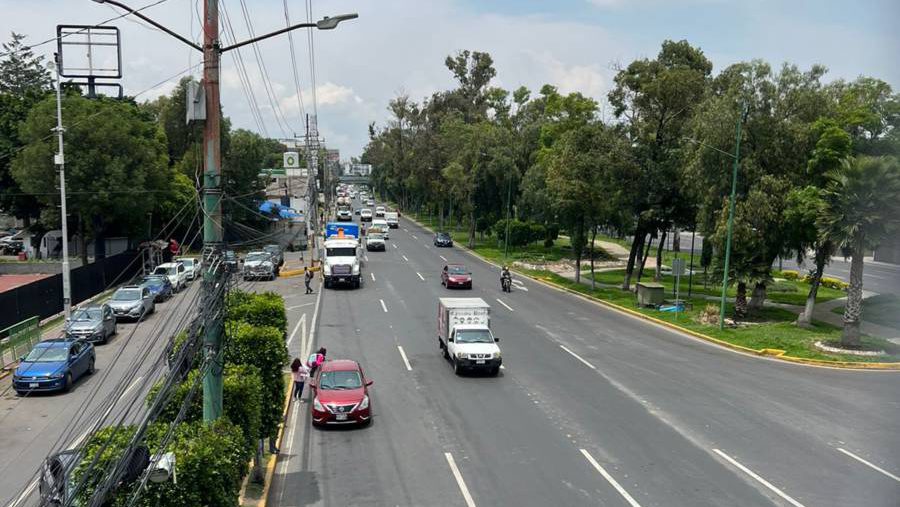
{"x": 54, "y": 365}
{"x": 160, "y": 287}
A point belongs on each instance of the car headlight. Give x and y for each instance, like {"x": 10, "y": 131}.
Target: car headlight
{"x": 460, "y": 355}
{"x": 57, "y": 376}
{"x": 318, "y": 406}
{"x": 327, "y": 269}
{"x": 496, "y": 355}
{"x": 356, "y": 269}
{"x": 364, "y": 404}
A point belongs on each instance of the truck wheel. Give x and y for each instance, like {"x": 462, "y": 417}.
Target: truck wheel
{"x": 445, "y": 352}
{"x": 456, "y": 368}
{"x": 495, "y": 371}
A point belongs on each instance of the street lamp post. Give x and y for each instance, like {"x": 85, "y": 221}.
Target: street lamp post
{"x": 736, "y": 156}
{"x": 212, "y": 171}
{"x": 60, "y": 160}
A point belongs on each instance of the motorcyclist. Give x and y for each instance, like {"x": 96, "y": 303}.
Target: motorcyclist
{"x": 505, "y": 277}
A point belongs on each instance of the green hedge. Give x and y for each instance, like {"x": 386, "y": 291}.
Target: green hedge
{"x": 262, "y": 309}
{"x": 521, "y": 233}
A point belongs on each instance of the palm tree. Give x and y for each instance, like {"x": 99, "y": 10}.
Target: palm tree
{"x": 862, "y": 206}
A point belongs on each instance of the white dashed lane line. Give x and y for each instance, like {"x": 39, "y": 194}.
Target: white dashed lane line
{"x": 372, "y": 275}
{"x": 504, "y": 304}
{"x": 383, "y": 306}
{"x": 420, "y": 276}
{"x": 615, "y": 484}
{"x": 459, "y": 480}
{"x": 869, "y": 464}
{"x": 758, "y": 479}
{"x": 443, "y": 258}
{"x": 576, "y": 356}
{"x": 405, "y": 258}
{"x": 405, "y": 359}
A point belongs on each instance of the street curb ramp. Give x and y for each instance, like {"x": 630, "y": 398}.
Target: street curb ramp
{"x": 767, "y": 353}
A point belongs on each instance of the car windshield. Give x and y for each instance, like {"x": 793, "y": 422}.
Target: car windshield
{"x": 188, "y": 263}
{"x": 344, "y": 251}
{"x": 127, "y": 295}
{"x": 443, "y": 235}
{"x": 340, "y": 380}
{"x": 375, "y": 235}
{"x": 474, "y": 336}
{"x": 49, "y": 354}
{"x": 256, "y": 257}
{"x": 366, "y": 212}
{"x": 271, "y": 249}
{"x": 86, "y": 315}
{"x": 165, "y": 271}
{"x": 457, "y": 270}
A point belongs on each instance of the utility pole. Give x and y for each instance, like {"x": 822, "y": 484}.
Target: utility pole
{"x": 212, "y": 205}
{"x": 734, "y": 171}
{"x": 60, "y": 160}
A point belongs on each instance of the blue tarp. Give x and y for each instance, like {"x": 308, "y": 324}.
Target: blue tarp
{"x": 287, "y": 213}
{"x": 267, "y": 206}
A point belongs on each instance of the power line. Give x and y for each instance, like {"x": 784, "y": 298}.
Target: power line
{"x": 312, "y": 59}
{"x": 287, "y": 22}
{"x": 67, "y": 34}
{"x": 243, "y": 76}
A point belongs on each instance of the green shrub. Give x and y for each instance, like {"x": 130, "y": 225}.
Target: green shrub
{"x": 834, "y": 283}
{"x": 263, "y": 309}
{"x": 537, "y": 232}
{"x": 790, "y": 275}
{"x": 264, "y": 348}
{"x": 520, "y": 233}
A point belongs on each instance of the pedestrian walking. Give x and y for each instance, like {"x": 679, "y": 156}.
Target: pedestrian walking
{"x": 316, "y": 360}
{"x": 299, "y": 373}
{"x": 307, "y": 279}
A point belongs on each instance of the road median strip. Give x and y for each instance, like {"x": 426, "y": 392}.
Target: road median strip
{"x": 765, "y": 352}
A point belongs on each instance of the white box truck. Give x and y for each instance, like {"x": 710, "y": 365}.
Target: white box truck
{"x": 464, "y": 335}
{"x": 392, "y": 218}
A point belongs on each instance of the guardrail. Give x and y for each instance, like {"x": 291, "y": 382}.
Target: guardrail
{"x": 17, "y": 340}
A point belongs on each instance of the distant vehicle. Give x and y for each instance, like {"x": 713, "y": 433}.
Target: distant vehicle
{"x": 191, "y": 267}
{"x": 341, "y": 394}
{"x": 160, "y": 287}
{"x": 11, "y": 245}
{"x": 344, "y": 215}
{"x": 231, "y": 261}
{"x": 132, "y": 302}
{"x": 277, "y": 254}
{"x": 259, "y": 265}
{"x": 464, "y": 335}
{"x": 456, "y": 275}
{"x": 176, "y": 272}
{"x": 356, "y": 211}
{"x": 375, "y": 241}
{"x": 347, "y": 229}
{"x": 379, "y": 211}
{"x": 93, "y": 323}
{"x": 392, "y": 218}
{"x": 443, "y": 239}
{"x": 382, "y": 225}
{"x": 54, "y": 365}
{"x": 365, "y": 215}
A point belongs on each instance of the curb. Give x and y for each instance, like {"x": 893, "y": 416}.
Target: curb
{"x": 770, "y": 353}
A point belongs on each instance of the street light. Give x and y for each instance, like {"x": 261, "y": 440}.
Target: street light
{"x": 737, "y": 160}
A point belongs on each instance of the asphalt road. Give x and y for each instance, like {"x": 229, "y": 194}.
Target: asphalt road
{"x": 593, "y": 408}
{"x": 879, "y": 277}
{"x": 33, "y": 426}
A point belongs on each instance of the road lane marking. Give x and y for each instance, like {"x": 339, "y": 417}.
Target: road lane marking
{"x": 459, "y": 480}
{"x": 404, "y": 258}
{"x": 576, "y": 356}
{"x": 373, "y": 276}
{"x": 615, "y": 484}
{"x": 383, "y": 306}
{"x": 300, "y": 306}
{"x": 504, "y": 304}
{"x": 25, "y": 494}
{"x": 414, "y": 236}
{"x": 405, "y": 359}
{"x": 868, "y": 463}
{"x": 366, "y": 257}
{"x": 294, "y": 332}
{"x": 312, "y": 325}
{"x": 394, "y": 245}
{"x": 290, "y": 447}
{"x": 420, "y": 276}
{"x": 519, "y": 285}
{"x": 443, "y": 258}
{"x": 759, "y": 479}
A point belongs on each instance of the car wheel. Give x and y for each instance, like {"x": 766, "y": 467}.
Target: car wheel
{"x": 444, "y": 351}
{"x": 21, "y": 394}
{"x": 90, "y": 368}
{"x": 495, "y": 371}
{"x": 68, "y": 383}
{"x": 456, "y": 368}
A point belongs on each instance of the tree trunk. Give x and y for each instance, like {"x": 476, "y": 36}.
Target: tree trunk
{"x": 637, "y": 245}
{"x": 645, "y": 255}
{"x": 578, "y": 249}
{"x": 851, "y": 335}
{"x": 805, "y": 318}
{"x": 657, "y": 276}
{"x": 441, "y": 215}
{"x": 593, "y": 237}
{"x": 82, "y": 241}
{"x": 740, "y": 301}
{"x": 472, "y": 228}
{"x": 758, "y": 297}
{"x": 676, "y": 240}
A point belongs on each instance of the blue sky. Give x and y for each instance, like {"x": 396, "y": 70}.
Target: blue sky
{"x": 398, "y": 46}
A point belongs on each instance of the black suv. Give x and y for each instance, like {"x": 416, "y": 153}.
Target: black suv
{"x": 443, "y": 239}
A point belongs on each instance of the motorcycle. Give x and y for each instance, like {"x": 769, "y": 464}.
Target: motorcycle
{"x": 506, "y": 284}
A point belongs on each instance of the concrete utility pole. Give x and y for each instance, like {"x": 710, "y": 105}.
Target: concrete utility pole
{"x": 60, "y": 160}
{"x": 212, "y": 203}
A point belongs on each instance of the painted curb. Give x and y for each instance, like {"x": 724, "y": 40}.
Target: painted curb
{"x": 769, "y": 353}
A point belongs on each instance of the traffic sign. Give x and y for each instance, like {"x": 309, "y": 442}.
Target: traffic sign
{"x": 273, "y": 171}
{"x": 678, "y": 267}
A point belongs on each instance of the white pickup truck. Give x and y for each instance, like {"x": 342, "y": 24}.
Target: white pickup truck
{"x": 392, "y": 218}
{"x": 464, "y": 335}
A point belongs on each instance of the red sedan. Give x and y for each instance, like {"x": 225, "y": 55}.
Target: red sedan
{"x": 341, "y": 394}
{"x": 456, "y": 275}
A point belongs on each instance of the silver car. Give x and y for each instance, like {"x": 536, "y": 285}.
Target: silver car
{"x": 259, "y": 265}
{"x": 132, "y": 302}
{"x": 93, "y": 323}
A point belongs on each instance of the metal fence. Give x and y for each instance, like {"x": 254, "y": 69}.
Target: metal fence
{"x": 17, "y": 340}
{"x": 43, "y": 298}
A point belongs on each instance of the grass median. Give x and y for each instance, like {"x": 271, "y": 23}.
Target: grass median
{"x": 771, "y": 328}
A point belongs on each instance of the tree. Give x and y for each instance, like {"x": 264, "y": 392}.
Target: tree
{"x": 114, "y": 174}
{"x": 247, "y": 155}
{"x": 24, "y": 81}
{"x": 656, "y": 99}
{"x": 862, "y": 207}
